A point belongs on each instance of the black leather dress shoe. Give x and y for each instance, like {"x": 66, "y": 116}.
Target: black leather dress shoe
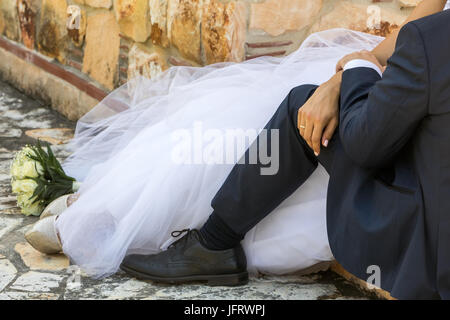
{"x": 188, "y": 260}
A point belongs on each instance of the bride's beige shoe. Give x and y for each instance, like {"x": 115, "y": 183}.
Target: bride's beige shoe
{"x": 57, "y": 206}
{"x": 44, "y": 237}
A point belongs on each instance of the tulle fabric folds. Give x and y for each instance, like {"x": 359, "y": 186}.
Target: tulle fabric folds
{"x": 134, "y": 194}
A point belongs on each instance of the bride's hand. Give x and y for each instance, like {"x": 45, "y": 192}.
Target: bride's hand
{"x": 361, "y": 55}
{"x": 318, "y": 118}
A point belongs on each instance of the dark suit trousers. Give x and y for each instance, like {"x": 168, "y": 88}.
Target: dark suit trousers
{"x": 246, "y": 196}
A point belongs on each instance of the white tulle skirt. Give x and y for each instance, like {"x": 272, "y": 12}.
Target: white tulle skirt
{"x": 134, "y": 194}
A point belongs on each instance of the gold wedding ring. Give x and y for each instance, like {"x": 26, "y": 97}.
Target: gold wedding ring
{"x": 302, "y": 127}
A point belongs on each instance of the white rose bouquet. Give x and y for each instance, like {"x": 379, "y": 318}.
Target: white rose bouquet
{"x": 38, "y": 178}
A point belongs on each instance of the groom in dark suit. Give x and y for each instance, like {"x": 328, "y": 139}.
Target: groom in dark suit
{"x": 388, "y": 201}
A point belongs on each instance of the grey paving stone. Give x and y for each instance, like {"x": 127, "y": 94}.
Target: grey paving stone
{"x": 7, "y": 273}
{"x": 8, "y": 224}
{"x": 33, "y": 281}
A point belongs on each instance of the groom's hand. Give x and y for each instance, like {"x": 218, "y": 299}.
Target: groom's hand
{"x": 318, "y": 118}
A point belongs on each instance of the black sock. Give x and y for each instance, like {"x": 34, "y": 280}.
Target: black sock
{"x": 217, "y": 235}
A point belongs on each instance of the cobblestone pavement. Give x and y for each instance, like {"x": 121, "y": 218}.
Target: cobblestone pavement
{"x": 27, "y": 274}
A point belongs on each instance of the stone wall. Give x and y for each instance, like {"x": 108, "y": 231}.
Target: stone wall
{"x": 109, "y": 41}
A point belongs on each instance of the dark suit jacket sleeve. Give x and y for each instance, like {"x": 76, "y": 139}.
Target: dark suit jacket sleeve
{"x": 378, "y": 116}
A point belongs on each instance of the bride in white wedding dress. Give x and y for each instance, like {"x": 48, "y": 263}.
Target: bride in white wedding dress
{"x": 133, "y": 193}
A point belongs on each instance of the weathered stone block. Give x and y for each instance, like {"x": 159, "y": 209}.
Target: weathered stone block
{"x": 278, "y": 16}
{"x": 133, "y": 18}
{"x": 2, "y": 23}
{"x": 142, "y": 61}
{"x": 101, "y": 53}
{"x": 99, "y": 3}
{"x": 158, "y": 20}
{"x": 183, "y": 27}
{"x": 9, "y": 20}
{"x": 52, "y": 33}
{"x": 224, "y": 31}
{"x": 409, "y": 3}
{"x": 76, "y": 24}
{"x": 377, "y": 19}
{"x": 27, "y": 20}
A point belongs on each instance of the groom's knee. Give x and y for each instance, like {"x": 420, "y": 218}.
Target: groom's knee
{"x": 297, "y": 98}
{"x": 300, "y": 94}
{"x": 286, "y": 114}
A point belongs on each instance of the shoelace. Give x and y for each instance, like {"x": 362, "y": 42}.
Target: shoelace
{"x": 178, "y": 233}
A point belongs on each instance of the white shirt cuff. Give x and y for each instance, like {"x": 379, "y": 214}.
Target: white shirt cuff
{"x": 357, "y": 63}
